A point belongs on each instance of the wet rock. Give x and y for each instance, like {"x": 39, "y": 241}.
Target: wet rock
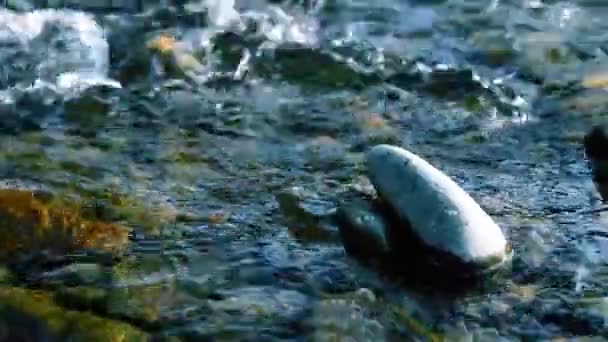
{"x": 239, "y": 312}
{"x": 363, "y": 229}
{"x": 547, "y": 57}
{"x": 307, "y": 216}
{"x": 596, "y": 149}
{"x": 18, "y": 5}
{"x": 74, "y": 274}
{"x": 596, "y": 143}
{"x": 495, "y": 48}
{"x": 130, "y": 59}
{"x": 342, "y": 320}
{"x": 332, "y": 279}
{"x": 596, "y": 78}
{"x": 324, "y": 152}
{"x": 35, "y": 316}
{"x": 146, "y": 210}
{"x": 33, "y": 226}
{"x": 441, "y": 214}
{"x": 173, "y": 59}
{"x": 25, "y": 109}
{"x": 577, "y": 323}
{"x": 451, "y": 83}
{"x": 407, "y": 318}
{"x": 261, "y": 301}
{"x": 534, "y": 249}
{"x": 143, "y": 304}
{"x": 376, "y": 129}
{"x": 305, "y": 66}
{"x": 587, "y": 102}
{"x": 142, "y": 291}
{"x": 136, "y": 291}
{"x": 88, "y": 100}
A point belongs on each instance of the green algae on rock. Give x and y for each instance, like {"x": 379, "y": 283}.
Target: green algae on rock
{"x": 58, "y": 323}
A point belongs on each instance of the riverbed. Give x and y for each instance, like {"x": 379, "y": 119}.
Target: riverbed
{"x": 284, "y": 100}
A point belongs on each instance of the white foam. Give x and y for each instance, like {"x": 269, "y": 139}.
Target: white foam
{"x": 221, "y": 13}
{"x": 57, "y": 42}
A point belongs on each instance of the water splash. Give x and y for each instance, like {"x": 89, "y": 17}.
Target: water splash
{"x": 221, "y": 13}
{"x": 52, "y": 42}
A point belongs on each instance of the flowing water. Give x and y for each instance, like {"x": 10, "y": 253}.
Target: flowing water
{"x": 286, "y": 99}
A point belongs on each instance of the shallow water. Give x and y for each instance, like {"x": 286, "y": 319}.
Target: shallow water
{"x": 486, "y": 90}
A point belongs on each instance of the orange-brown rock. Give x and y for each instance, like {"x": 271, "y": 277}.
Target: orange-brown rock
{"x": 29, "y": 225}
{"x": 174, "y": 58}
{"x": 162, "y": 44}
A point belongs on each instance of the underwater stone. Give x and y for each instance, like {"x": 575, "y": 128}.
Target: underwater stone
{"x": 363, "y": 229}
{"x": 35, "y": 316}
{"x": 441, "y": 214}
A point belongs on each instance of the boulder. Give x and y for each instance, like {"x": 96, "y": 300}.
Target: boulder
{"x": 434, "y": 210}
{"x": 596, "y": 149}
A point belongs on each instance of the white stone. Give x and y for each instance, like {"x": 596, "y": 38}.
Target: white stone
{"x": 440, "y": 212}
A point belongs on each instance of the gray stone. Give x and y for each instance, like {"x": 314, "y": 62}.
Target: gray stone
{"x": 440, "y": 213}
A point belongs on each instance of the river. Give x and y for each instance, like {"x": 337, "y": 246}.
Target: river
{"x": 286, "y": 97}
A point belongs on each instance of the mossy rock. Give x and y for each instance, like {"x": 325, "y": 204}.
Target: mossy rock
{"x": 33, "y": 314}
{"x": 30, "y": 225}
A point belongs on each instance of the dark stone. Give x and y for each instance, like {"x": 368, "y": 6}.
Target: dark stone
{"x": 579, "y": 324}
{"x": 596, "y": 143}
{"x": 596, "y": 149}
{"x": 18, "y": 326}
{"x": 362, "y": 229}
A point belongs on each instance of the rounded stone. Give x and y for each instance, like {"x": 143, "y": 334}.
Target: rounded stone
{"x": 438, "y": 211}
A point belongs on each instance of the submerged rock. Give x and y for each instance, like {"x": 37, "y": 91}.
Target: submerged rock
{"x": 434, "y": 209}
{"x": 34, "y": 316}
{"x": 363, "y": 229}
{"x": 305, "y": 215}
{"x": 345, "y": 320}
{"x": 30, "y": 226}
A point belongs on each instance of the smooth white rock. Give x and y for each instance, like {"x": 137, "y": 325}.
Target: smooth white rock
{"x": 440, "y": 212}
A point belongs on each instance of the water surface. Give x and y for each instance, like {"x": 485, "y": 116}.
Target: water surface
{"x": 288, "y": 97}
